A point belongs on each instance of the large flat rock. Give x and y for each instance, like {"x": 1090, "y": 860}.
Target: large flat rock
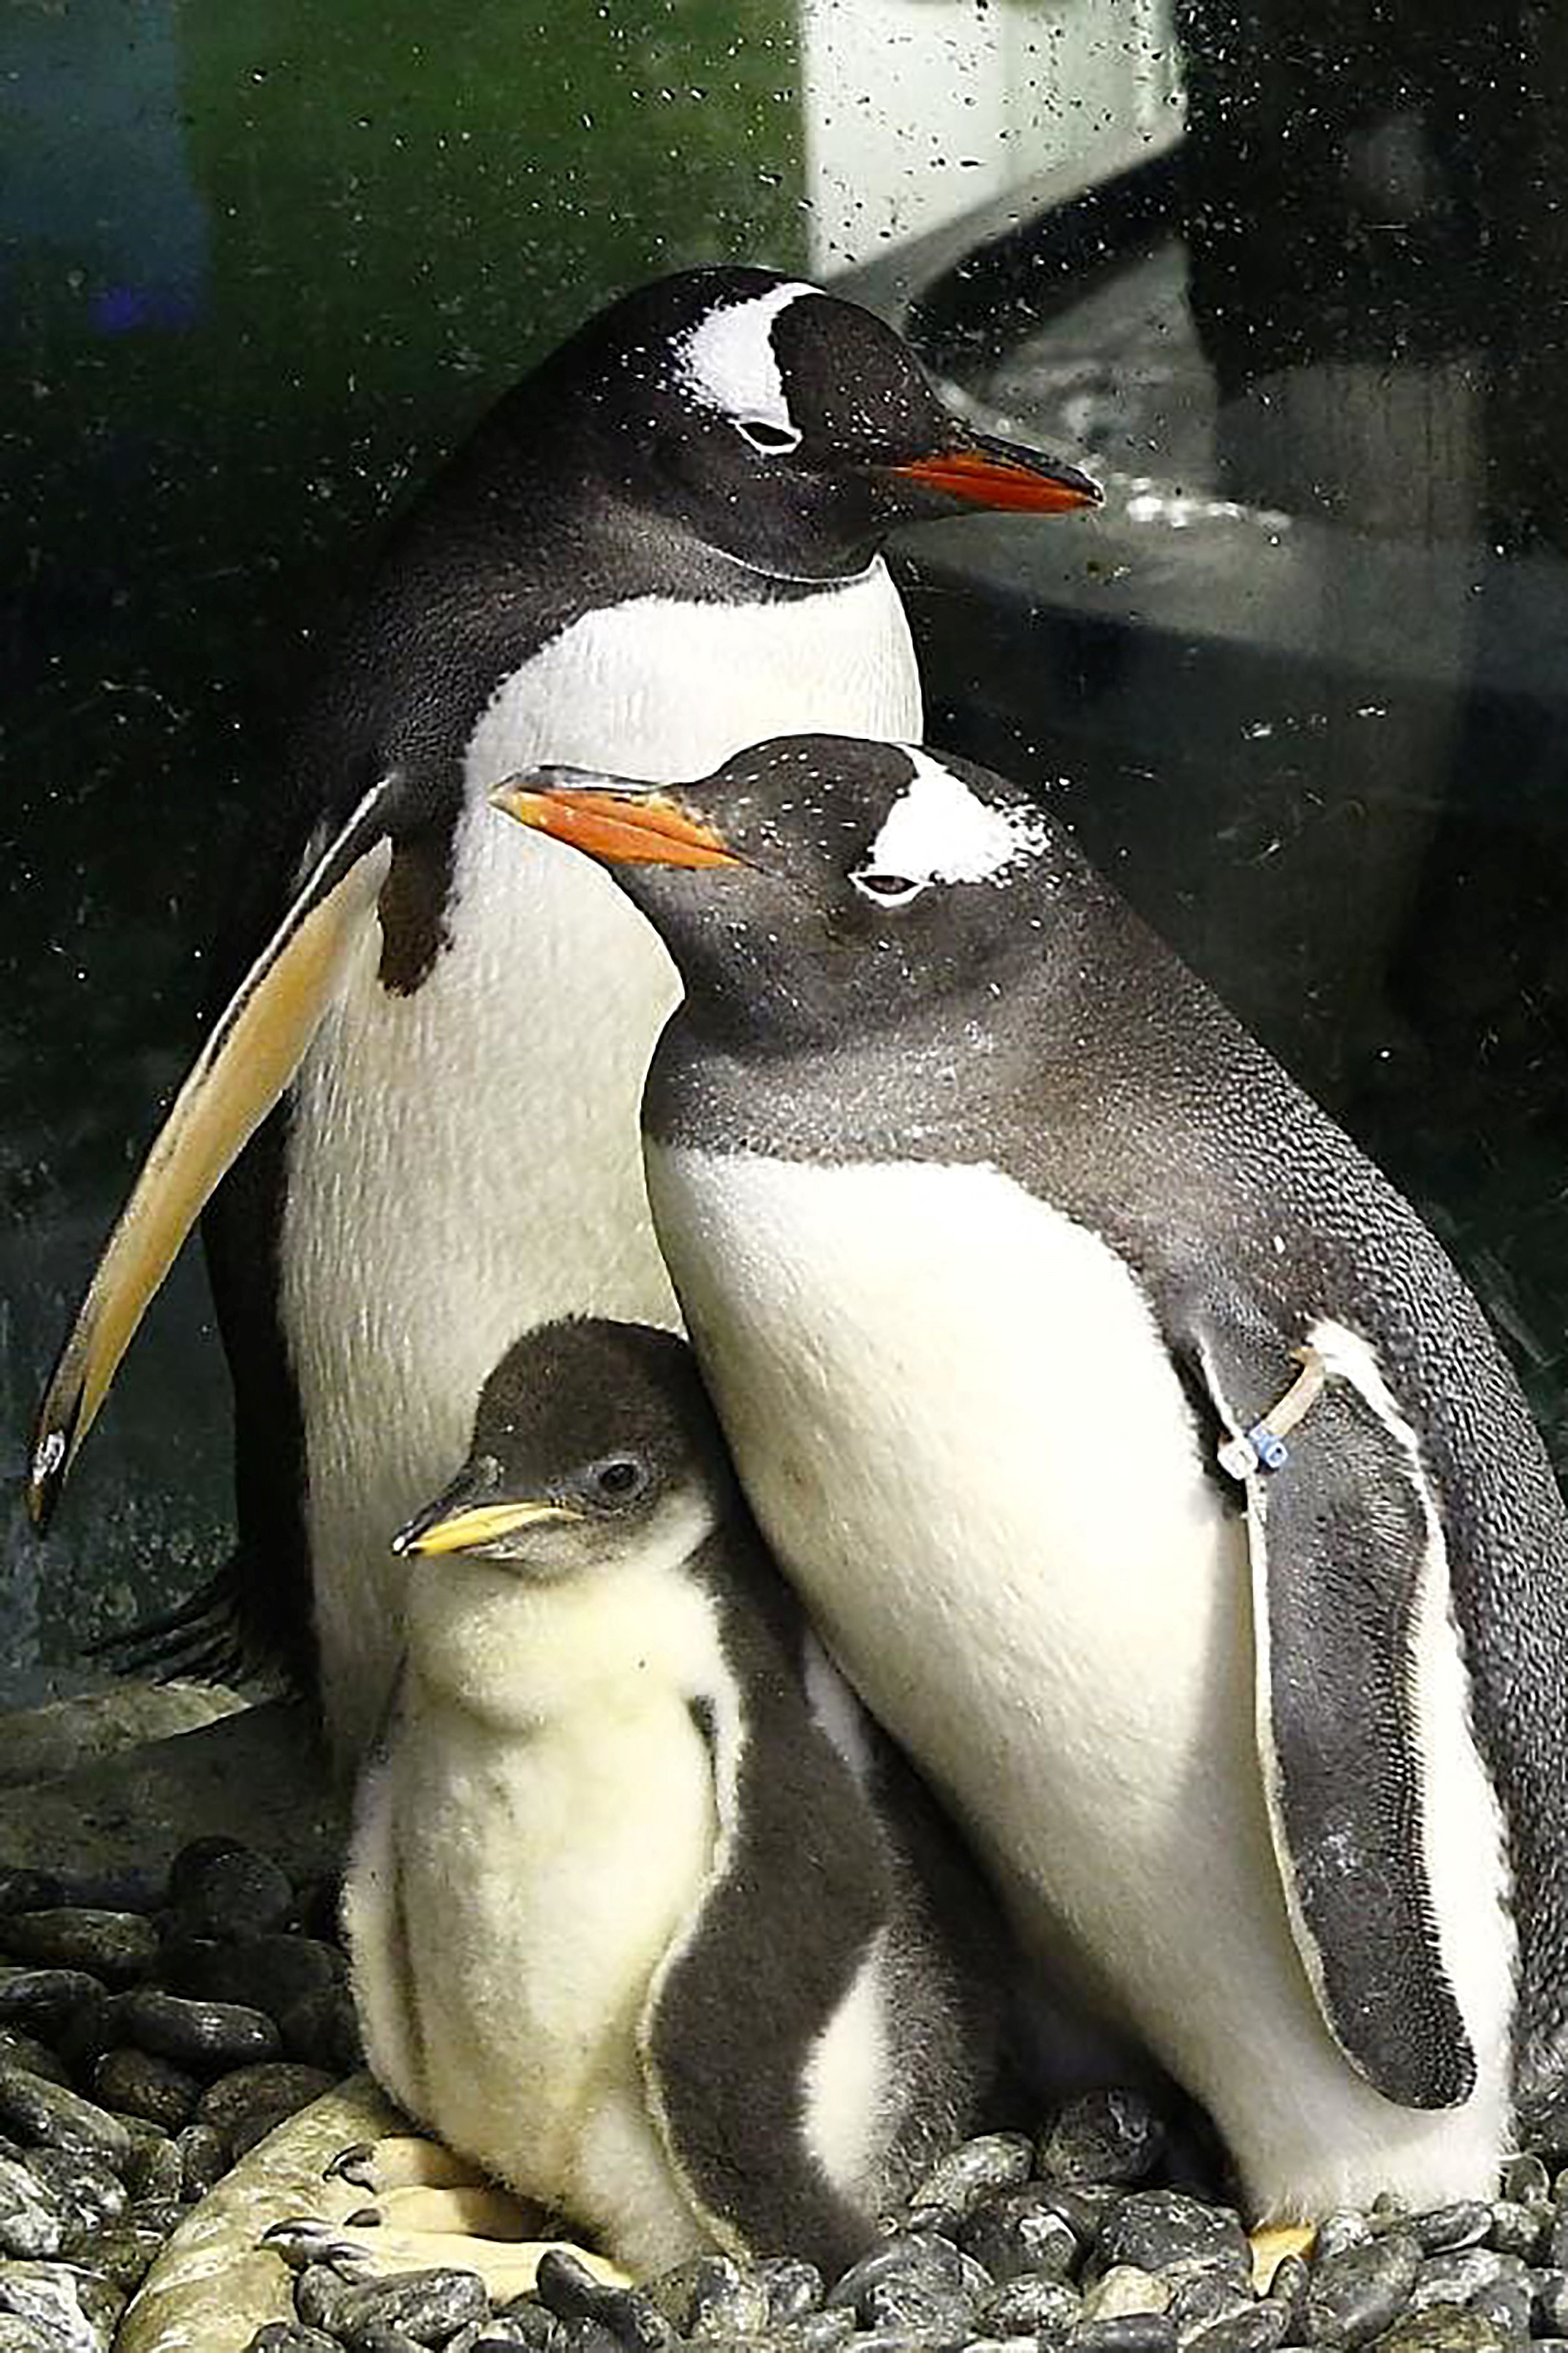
{"x": 258, "y": 1774}
{"x": 39, "y": 1744}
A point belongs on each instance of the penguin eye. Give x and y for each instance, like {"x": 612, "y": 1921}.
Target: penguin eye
{"x": 768, "y": 437}
{"x": 889, "y": 889}
{"x": 619, "y": 1479}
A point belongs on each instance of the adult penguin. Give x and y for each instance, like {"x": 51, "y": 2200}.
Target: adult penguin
{"x": 660, "y": 546}
{"x": 1138, "y": 1450}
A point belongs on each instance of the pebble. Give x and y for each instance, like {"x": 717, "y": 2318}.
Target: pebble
{"x": 30, "y": 2224}
{"x": 63, "y": 2301}
{"x": 1123, "y": 2289}
{"x": 43, "y": 2000}
{"x": 1165, "y": 2230}
{"x": 124, "y": 2254}
{"x": 1508, "y": 2307}
{"x": 86, "y": 2192}
{"x": 977, "y": 2169}
{"x": 710, "y": 2297}
{"x": 267, "y": 1973}
{"x": 1442, "y": 2329}
{"x": 1114, "y": 2135}
{"x": 117, "y": 1946}
{"x": 1203, "y": 2300}
{"x": 1022, "y": 2231}
{"x": 246, "y": 2104}
{"x": 319, "y": 2292}
{"x": 38, "y": 2111}
{"x": 1526, "y": 2178}
{"x": 291, "y": 2336}
{"x": 1463, "y": 2224}
{"x": 1257, "y": 2329}
{"x": 793, "y": 2288}
{"x": 1456, "y": 2278}
{"x": 19, "y": 2337}
{"x": 1033, "y": 2307}
{"x": 1131, "y": 2332}
{"x": 205, "y": 2036}
{"x": 231, "y": 1896}
{"x": 1518, "y": 2227}
{"x": 1344, "y": 2227}
{"x": 1355, "y": 2295}
{"x": 569, "y": 2290}
{"x": 26, "y": 2051}
{"x": 204, "y": 2158}
{"x": 918, "y": 2258}
{"x": 141, "y": 2084}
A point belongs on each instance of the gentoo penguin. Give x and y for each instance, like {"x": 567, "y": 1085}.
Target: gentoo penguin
{"x": 645, "y": 1916}
{"x": 1140, "y": 1454}
{"x": 660, "y": 546}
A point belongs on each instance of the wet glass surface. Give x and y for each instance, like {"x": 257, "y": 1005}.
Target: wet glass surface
{"x": 1302, "y": 682}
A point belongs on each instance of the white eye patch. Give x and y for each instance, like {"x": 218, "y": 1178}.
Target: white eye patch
{"x": 938, "y": 831}
{"x": 727, "y": 363}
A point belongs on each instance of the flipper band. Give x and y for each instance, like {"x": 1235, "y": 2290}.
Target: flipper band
{"x": 1263, "y": 1447}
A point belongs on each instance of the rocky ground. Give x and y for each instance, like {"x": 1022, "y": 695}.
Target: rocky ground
{"x": 156, "y": 2024}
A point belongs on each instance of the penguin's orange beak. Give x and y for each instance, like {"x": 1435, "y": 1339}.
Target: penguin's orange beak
{"x": 615, "y": 824}
{"x": 983, "y": 472}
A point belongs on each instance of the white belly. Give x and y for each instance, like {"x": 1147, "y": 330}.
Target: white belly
{"x": 959, "y": 1430}
{"x": 540, "y": 1879}
{"x": 463, "y": 1162}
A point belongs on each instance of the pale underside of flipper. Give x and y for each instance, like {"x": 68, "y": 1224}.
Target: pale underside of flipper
{"x": 241, "y": 1071}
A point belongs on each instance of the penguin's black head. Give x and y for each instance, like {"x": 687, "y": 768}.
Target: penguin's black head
{"x": 594, "y": 1447}
{"x": 790, "y": 429}
{"x": 820, "y": 885}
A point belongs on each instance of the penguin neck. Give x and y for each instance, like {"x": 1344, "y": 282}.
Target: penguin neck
{"x": 518, "y": 1655}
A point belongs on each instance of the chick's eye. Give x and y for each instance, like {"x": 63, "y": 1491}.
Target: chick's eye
{"x": 773, "y": 440}
{"x": 888, "y": 890}
{"x": 619, "y": 1479}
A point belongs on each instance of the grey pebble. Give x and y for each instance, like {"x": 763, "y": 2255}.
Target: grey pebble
{"x": 1003, "y": 2345}
{"x": 260, "y": 1972}
{"x": 918, "y": 2304}
{"x": 427, "y": 2305}
{"x": 42, "y": 2000}
{"x": 155, "y": 2169}
{"x": 522, "y": 2322}
{"x": 205, "y": 2158}
{"x": 793, "y": 2287}
{"x": 235, "y": 1896}
{"x": 976, "y": 2169}
{"x": 1526, "y": 2180}
{"x": 1355, "y": 2295}
{"x": 709, "y": 2296}
{"x": 1508, "y": 2307}
{"x": 1456, "y": 2278}
{"x": 205, "y": 2036}
{"x": 380, "y": 2337}
{"x": 1292, "y": 2278}
{"x": 20, "y": 2336}
{"x": 123, "y": 2254}
{"x": 1550, "y": 2303}
{"x": 917, "y": 2255}
{"x": 1030, "y": 2306}
{"x": 586, "y": 2337}
{"x": 63, "y": 2301}
{"x": 319, "y": 2292}
{"x": 31, "y": 2225}
{"x": 118, "y": 1946}
{"x": 86, "y": 2191}
{"x": 1165, "y": 2230}
{"x": 45, "y": 2114}
{"x": 1133, "y": 2332}
{"x": 247, "y": 2103}
{"x": 1115, "y": 2136}
{"x": 569, "y": 2290}
{"x": 1022, "y": 2231}
{"x": 291, "y": 2336}
{"x": 814, "y": 2332}
{"x": 1463, "y": 2224}
{"x": 1258, "y": 2328}
{"x": 1205, "y": 2298}
{"x": 140, "y": 2083}
{"x": 1441, "y": 2328}
{"x": 1346, "y": 2227}
{"x": 1518, "y": 2227}
{"x": 21, "y": 2050}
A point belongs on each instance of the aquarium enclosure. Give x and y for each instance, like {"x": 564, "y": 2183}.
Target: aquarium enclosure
{"x": 1289, "y": 276}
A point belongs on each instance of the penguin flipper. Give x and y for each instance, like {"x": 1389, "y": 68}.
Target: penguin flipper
{"x": 1349, "y": 1568}
{"x": 772, "y": 1955}
{"x": 251, "y": 1054}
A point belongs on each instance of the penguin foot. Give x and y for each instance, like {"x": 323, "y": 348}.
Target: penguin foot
{"x": 403, "y": 2161}
{"x": 1271, "y": 2243}
{"x": 363, "y": 2249}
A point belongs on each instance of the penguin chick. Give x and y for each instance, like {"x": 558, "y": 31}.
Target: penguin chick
{"x": 645, "y": 1916}
{"x": 1134, "y": 1444}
